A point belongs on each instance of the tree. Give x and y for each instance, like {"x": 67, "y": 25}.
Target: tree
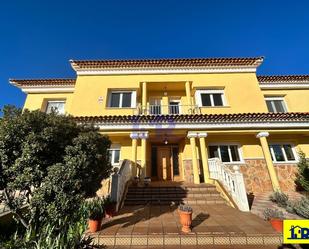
{"x": 54, "y": 162}
{"x": 303, "y": 171}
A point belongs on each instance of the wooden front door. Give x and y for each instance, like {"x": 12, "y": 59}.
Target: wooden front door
{"x": 164, "y": 163}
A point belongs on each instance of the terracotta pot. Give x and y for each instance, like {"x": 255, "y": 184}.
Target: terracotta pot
{"x": 277, "y": 224}
{"x": 185, "y": 220}
{"x": 110, "y": 210}
{"x": 94, "y": 225}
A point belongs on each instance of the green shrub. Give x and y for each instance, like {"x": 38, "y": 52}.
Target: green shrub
{"x": 280, "y": 198}
{"x": 273, "y": 214}
{"x": 95, "y": 208}
{"x": 302, "y": 207}
{"x": 303, "y": 172}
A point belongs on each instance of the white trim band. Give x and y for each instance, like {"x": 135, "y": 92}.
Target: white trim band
{"x": 201, "y": 126}
{"x": 284, "y": 86}
{"x": 248, "y": 69}
{"x": 68, "y": 89}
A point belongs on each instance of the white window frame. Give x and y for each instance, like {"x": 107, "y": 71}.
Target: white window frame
{"x": 115, "y": 147}
{"x": 241, "y": 159}
{"x": 283, "y": 151}
{"x": 56, "y": 101}
{"x": 133, "y": 98}
{"x": 271, "y": 98}
{"x": 198, "y": 97}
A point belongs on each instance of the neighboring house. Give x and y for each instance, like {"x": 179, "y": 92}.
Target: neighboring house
{"x": 170, "y": 116}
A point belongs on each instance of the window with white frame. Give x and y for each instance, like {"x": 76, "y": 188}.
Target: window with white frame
{"x": 114, "y": 155}
{"x": 122, "y": 99}
{"x": 227, "y": 153}
{"x": 208, "y": 98}
{"x": 275, "y": 104}
{"x": 282, "y": 153}
{"x": 56, "y": 106}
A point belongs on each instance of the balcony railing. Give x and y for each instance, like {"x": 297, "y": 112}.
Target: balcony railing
{"x": 169, "y": 109}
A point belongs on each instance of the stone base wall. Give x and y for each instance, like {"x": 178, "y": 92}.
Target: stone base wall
{"x": 257, "y": 178}
{"x": 188, "y": 170}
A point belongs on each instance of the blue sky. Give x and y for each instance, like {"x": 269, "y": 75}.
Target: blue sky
{"x": 37, "y": 38}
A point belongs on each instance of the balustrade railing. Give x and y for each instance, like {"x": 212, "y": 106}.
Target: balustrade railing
{"x": 232, "y": 180}
{"x": 119, "y": 182}
{"x": 169, "y": 109}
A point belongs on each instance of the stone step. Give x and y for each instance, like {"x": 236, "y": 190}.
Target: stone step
{"x": 172, "y": 189}
{"x": 181, "y": 195}
{"x": 171, "y": 201}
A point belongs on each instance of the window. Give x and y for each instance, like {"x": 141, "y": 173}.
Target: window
{"x": 55, "y": 106}
{"x": 282, "y": 152}
{"x": 226, "y": 153}
{"x": 122, "y": 99}
{"x": 275, "y": 104}
{"x": 155, "y": 106}
{"x": 114, "y": 155}
{"x": 174, "y": 106}
{"x": 210, "y": 97}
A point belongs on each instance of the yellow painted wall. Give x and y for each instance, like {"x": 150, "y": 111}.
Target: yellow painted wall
{"x": 241, "y": 90}
{"x": 296, "y": 100}
{"x": 36, "y": 101}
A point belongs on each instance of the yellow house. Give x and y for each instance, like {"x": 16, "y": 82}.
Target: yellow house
{"x": 172, "y": 117}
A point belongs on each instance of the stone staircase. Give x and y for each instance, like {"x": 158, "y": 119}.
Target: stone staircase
{"x": 173, "y": 195}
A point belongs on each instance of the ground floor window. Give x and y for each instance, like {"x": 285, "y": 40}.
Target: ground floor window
{"x": 114, "y": 155}
{"x": 282, "y": 152}
{"x": 226, "y": 153}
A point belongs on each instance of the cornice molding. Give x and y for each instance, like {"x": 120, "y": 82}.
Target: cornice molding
{"x": 284, "y": 86}
{"x": 225, "y": 126}
{"x": 190, "y": 70}
{"x": 49, "y": 89}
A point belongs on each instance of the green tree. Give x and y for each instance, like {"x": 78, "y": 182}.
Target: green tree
{"x": 303, "y": 171}
{"x": 54, "y": 162}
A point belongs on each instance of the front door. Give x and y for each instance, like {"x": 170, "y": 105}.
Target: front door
{"x": 165, "y": 163}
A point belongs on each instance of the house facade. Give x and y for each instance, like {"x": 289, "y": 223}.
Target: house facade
{"x": 170, "y": 117}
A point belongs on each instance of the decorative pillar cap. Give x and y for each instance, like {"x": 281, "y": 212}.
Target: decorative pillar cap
{"x": 192, "y": 134}
{"x": 134, "y": 135}
{"x": 143, "y": 135}
{"x": 202, "y": 134}
{"x": 262, "y": 134}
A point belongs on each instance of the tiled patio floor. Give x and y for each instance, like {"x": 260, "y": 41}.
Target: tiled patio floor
{"x": 159, "y": 226}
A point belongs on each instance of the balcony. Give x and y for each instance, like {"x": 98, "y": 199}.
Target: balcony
{"x": 168, "y": 109}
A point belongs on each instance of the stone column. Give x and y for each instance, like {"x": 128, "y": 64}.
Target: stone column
{"x": 204, "y": 155}
{"x": 192, "y": 136}
{"x": 144, "y": 98}
{"x": 188, "y": 95}
{"x": 271, "y": 170}
{"x": 143, "y": 136}
{"x": 134, "y": 137}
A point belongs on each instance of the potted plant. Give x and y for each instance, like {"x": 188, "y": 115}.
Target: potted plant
{"x": 95, "y": 209}
{"x": 147, "y": 181}
{"x": 135, "y": 181}
{"x": 110, "y": 207}
{"x": 275, "y": 217}
{"x": 185, "y": 213}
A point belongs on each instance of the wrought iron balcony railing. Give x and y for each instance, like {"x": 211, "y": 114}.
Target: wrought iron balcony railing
{"x": 169, "y": 109}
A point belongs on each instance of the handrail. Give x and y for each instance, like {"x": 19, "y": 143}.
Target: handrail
{"x": 168, "y": 109}
{"x": 232, "y": 181}
{"x": 119, "y": 183}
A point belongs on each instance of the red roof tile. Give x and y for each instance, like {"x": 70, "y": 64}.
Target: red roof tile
{"x": 283, "y": 79}
{"x": 166, "y": 63}
{"x": 202, "y": 118}
{"x": 42, "y": 82}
